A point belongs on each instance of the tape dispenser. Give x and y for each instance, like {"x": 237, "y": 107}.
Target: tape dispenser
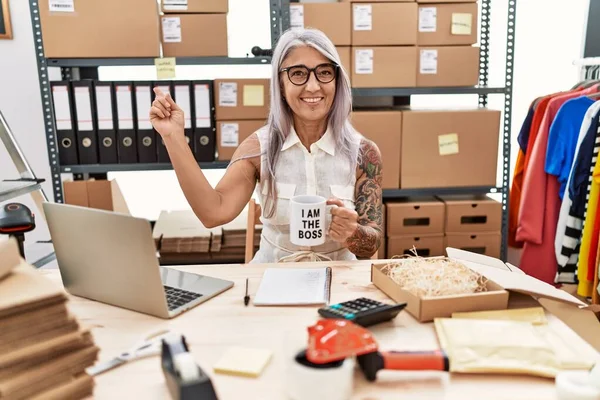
{"x": 185, "y": 379}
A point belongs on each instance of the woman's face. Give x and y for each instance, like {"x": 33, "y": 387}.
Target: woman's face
{"x": 310, "y": 101}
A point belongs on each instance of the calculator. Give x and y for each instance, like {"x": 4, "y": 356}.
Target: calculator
{"x": 362, "y": 311}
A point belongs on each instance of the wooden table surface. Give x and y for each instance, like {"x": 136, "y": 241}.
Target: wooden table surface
{"x": 211, "y": 328}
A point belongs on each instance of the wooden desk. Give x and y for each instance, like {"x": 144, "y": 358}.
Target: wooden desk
{"x": 223, "y": 321}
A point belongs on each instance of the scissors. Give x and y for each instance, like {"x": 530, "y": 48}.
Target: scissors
{"x": 147, "y": 346}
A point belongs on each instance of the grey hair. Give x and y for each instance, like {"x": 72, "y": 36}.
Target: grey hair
{"x": 280, "y": 116}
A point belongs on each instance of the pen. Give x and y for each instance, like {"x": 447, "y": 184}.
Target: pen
{"x": 246, "y": 297}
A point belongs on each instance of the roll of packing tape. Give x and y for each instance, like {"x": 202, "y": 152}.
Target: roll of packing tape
{"x": 576, "y": 385}
{"x": 186, "y": 366}
{"x": 309, "y": 383}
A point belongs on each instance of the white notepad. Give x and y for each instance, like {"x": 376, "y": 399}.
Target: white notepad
{"x": 294, "y": 286}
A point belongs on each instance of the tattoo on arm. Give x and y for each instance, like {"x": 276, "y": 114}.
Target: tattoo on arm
{"x": 367, "y": 238}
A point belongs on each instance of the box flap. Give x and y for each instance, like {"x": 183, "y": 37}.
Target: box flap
{"x": 492, "y": 269}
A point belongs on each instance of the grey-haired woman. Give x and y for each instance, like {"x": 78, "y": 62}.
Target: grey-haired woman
{"x": 307, "y": 147}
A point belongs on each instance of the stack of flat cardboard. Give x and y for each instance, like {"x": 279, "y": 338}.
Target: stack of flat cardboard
{"x": 43, "y": 350}
{"x": 182, "y": 238}
{"x": 181, "y": 232}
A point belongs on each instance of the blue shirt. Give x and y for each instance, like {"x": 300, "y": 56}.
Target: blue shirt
{"x": 582, "y": 169}
{"x": 562, "y": 139}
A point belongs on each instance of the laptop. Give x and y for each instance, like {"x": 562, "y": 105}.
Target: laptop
{"x": 111, "y": 258}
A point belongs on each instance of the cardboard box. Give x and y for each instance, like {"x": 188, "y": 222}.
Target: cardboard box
{"x": 242, "y": 99}
{"x": 384, "y": 128}
{"x": 98, "y": 29}
{"x": 382, "y": 67}
{"x": 333, "y": 19}
{"x": 100, "y": 194}
{"x": 472, "y": 214}
{"x": 449, "y": 148}
{"x": 195, "y": 6}
{"x": 381, "y": 252}
{"x": 448, "y": 66}
{"x": 447, "y": 24}
{"x": 426, "y": 245}
{"x": 230, "y": 134}
{"x": 503, "y": 279}
{"x": 384, "y": 24}
{"x": 486, "y": 243}
{"x": 194, "y": 35}
{"x": 427, "y": 309}
{"x": 415, "y": 216}
{"x": 345, "y": 58}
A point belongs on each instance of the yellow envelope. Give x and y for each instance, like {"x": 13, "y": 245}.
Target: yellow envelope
{"x": 533, "y": 315}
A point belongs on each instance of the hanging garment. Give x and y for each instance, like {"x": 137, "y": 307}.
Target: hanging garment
{"x": 562, "y": 139}
{"x": 570, "y": 222}
{"x": 526, "y": 138}
{"x": 584, "y": 288}
{"x": 322, "y": 172}
{"x": 540, "y": 205}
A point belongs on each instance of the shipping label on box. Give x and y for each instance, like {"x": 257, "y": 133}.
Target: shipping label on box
{"x": 230, "y": 135}
{"x": 171, "y": 27}
{"x": 296, "y": 16}
{"x": 363, "y": 61}
{"x": 362, "y": 17}
{"x": 62, "y": 5}
{"x": 228, "y": 94}
{"x": 427, "y": 19}
{"x": 429, "y": 62}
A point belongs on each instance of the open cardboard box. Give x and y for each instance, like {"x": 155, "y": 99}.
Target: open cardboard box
{"x": 504, "y": 280}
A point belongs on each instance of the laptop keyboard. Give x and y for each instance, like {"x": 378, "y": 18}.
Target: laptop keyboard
{"x": 178, "y": 297}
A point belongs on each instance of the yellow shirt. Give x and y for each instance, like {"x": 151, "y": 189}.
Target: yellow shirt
{"x": 585, "y": 287}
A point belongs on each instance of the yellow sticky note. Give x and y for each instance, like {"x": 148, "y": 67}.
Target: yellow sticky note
{"x": 243, "y": 362}
{"x": 448, "y": 144}
{"x": 165, "y": 68}
{"x": 254, "y": 95}
{"x": 534, "y": 315}
{"x": 462, "y": 24}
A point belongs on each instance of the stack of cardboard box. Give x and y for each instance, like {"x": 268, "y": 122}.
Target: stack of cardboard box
{"x": 44, "y": 352}
{"x": 415, "y": 223}
{"x": 473, "y": 223}
{"x": 194, "y": 28}
{"x": 241, "y": 108}
{"x": 399, "y": 43}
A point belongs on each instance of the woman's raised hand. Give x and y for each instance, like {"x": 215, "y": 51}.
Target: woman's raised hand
{"x": 166, "y": 116}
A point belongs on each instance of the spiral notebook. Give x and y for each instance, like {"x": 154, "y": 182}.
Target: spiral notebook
{"x": 294, "y": 286}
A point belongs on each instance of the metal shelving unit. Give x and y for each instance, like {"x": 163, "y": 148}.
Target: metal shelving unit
{"x": 9, "y": 189}
{"x": 280, "y": 21}
{"x": 120, "y": 62}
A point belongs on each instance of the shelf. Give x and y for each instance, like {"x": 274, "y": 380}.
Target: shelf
{"x": 104, "y": 168}
{"x": 389, "y": 194}
{"x": 9, "y": 189}
{"x": 426, "y": 90}
{"x": 121, "y": 62}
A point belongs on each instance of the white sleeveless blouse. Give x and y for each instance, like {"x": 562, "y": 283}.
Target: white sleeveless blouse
{"x": 321, "y": 172}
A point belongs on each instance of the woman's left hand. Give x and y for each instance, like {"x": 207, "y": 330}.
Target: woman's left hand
{"x": 344, "y": 221}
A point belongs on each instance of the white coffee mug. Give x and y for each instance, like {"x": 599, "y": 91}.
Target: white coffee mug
{"x": 307, "y": 220}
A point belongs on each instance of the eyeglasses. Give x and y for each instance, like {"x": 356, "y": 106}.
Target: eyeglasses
{"x": 299, "y": 74}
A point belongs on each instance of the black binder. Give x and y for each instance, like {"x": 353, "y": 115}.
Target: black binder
{"x": 65, "y": 130}
{"x": 183, "y": 97}
{"x": 203, "y": 123}
{"x": 87, "y": 135}
{"x": 163, "y": 156}
{"x": 127, "y": 148}
{"x": 146, "y": 137}
{"x": 105, "y": 117}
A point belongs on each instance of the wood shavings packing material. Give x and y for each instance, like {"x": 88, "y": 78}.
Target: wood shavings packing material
{"x": 434, "y": 277}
